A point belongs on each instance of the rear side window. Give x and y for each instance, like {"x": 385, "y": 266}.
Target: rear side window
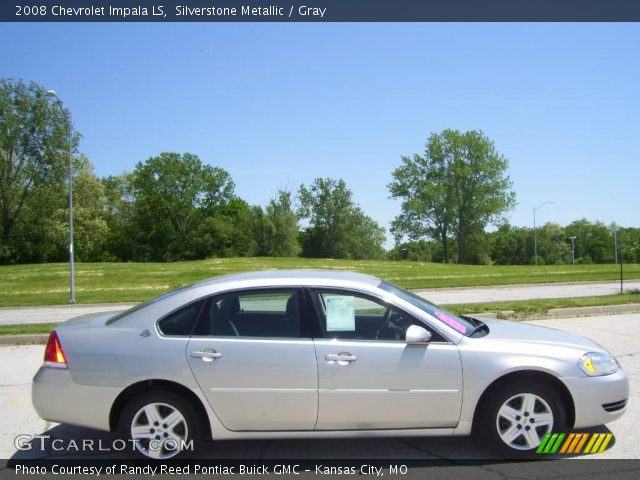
{"x": 182, "y": 321}
{"x": 275, "y": 302}
{"x": 256, "y": 313}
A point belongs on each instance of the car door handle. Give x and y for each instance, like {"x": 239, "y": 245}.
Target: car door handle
{"x": 340, "y": 358}
{"x": 207, "y": 355}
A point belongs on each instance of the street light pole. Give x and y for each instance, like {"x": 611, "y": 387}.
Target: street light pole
{"x": 535, "y": 236}
{"x": 573, "y": 250}
{"x": 72, "y": 298}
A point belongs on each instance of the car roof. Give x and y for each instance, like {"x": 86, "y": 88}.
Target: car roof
{"x": 163, "y": 304}
{"x": 298, "y": 276}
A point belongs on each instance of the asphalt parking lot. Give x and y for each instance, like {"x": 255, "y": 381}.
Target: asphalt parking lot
{"x": 619, "y": 333}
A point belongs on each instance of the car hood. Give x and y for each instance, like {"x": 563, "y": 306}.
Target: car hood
{"x": 502, "y": 330}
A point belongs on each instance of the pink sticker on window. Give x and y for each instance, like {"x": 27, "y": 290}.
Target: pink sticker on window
{"x": 452, "y": 322}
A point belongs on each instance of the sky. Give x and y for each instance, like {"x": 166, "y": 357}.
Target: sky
{"x": 277, "y": 105}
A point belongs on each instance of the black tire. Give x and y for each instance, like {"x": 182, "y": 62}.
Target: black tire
{"x": 490, "y": 423}
{"x": 163, "y": 404}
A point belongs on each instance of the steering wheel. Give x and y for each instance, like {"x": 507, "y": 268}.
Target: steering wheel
{"x": 387, "y": 323}
{"x": 383, "y": 322}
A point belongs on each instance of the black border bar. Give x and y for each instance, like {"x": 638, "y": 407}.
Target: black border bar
{"x": 394, "y": 469}
{"x": 320, "y": 11}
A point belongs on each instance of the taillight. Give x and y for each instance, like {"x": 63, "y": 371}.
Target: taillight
{"x": 53, "y": 353}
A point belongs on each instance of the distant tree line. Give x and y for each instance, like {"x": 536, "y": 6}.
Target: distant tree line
{"x": 176, "y": 207}
{"x": 594, "y": 242}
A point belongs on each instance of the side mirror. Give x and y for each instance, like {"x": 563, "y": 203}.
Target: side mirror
{"x": 417, "y": 335}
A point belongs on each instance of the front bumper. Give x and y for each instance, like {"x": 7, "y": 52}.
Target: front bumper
{"x": 57, "y": 398}
{"x": 592, "y": 394}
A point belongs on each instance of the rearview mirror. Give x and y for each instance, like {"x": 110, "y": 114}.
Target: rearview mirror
{"x": 417, "y": 335}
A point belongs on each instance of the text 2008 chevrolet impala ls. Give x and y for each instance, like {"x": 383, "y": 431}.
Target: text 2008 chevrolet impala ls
{"x": 302, "y": 354}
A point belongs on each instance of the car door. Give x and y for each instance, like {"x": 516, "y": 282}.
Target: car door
{"x": 370, "y": 378}
{"x": 254, "y": 361}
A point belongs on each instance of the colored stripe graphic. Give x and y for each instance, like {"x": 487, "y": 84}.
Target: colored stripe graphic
{"x": 544, "y": 441}
{"x": 574, "y": 442}
{"x": 556, "y": 446}
{"x": 600, "y": 442}
{"x": 567, "y": 443}
{"x": 592, "y": 441}
{"x": 577, "y": 443}
{"x": 550, "y": 443}
{"x": 605, "y": 443}
{"x": 582, "y": 442}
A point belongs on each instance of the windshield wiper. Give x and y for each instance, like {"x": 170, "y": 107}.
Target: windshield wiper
{"x": 477, "y": 328}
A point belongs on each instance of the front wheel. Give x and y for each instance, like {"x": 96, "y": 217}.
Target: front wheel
{"x": 160, "y": 425}
{"x": 516, "y": 417}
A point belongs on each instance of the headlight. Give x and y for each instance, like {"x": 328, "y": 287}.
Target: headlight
{"x": 597, "y": 364}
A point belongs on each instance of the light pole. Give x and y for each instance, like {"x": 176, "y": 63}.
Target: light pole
{"x": 535, "y": 237}
{"x": 615, "y": 245}
{"x": 573, "y": 250}
{"x": 72, "y": 299}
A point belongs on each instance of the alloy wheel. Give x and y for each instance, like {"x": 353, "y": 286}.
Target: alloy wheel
{"x": 523, "y": 420}
{"x": 159, "y": 430}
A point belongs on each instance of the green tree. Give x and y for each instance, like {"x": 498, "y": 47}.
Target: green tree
{"x": 594, "y": 242}
{"x": 173, "y": 193}
{"x": 511, "y": 245}
{"x": 338, "y": 228}
{"x": 554, "y": 245}
{"x": 629, "y": 244}
{"x": 276, "y": 227}
{"x": 416, "y": 251}
{"x": 30, "y": 240}
{"x": 457, "y": 188}
{"x": 42, "y": 232}
{"x": 227, "y": 233}
{"x": 123, "y": 238}
{"x": 34, "y": 144}
{"x": 90, "y": 228}
{"x": 631, "y": 248}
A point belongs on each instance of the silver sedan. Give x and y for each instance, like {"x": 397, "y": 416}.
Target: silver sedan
{"x": 303, "y": 354}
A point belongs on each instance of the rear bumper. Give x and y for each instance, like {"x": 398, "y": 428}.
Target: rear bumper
{"x": 57, "y": 398}
{"x": 598, "y": 400}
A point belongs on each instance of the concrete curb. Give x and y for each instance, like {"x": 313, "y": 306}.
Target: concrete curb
{"x": 564, "y": 312}
{"x": 31, "y": 339}
{"x": 605, "y": 309}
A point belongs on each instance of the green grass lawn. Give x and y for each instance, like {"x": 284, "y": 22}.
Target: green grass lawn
{"x": 48, "y": 284}
{"x": 26, "y": 329}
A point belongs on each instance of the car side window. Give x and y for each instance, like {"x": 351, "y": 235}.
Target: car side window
{"x": 257, "y": 313}
{"x": 182, "y": 321}
{"x": 351, "y": 316}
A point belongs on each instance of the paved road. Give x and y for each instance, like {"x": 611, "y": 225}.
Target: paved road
{"x": 619, "y": 333}
{"x": 525, "y": 292}
{"x": 57, "y": 314}
{"x": 54, "y": 314}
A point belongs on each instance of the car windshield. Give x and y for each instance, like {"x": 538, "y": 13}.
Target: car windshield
{"x": 454, "y": 321}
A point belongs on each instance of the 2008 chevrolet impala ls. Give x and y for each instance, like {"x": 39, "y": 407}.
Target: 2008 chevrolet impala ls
{"x": 301, "y": 354}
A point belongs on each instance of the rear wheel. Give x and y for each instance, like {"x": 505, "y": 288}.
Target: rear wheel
{"x": 515, "y": 418}
{"x": 161, "y": 425}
